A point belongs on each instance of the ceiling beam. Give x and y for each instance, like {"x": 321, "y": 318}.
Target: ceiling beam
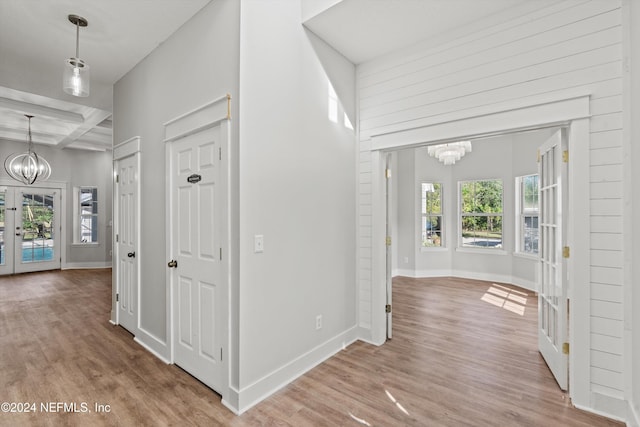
{"x": 92, "y": 120}
{"x": 41, "y": 110}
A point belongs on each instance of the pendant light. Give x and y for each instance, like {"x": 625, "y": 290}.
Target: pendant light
{"x": 27, "y": 167}
{"x": 75, "y": 79}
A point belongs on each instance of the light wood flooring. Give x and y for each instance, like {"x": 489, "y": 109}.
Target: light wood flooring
{"x": 460, "y": 356}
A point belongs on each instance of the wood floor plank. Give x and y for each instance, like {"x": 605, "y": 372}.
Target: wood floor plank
{"x": 459, "y": 357}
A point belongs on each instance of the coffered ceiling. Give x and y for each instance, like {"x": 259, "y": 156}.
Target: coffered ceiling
{"x": 35, "y": 39}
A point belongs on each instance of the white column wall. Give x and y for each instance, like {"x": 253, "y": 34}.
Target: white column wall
{"x": 298, "y": 190}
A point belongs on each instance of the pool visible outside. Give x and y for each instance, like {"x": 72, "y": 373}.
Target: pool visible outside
{"x": 32, "y": 254}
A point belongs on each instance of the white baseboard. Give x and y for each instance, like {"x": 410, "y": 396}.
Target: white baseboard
{"x": 606, "y": 406}
{"x": 153, "y": 344}
{"x": 85, "y": 265}
{"x": 432, "y": 273}
{"x": 526, "y": 284}
{"x": 366, "y": 335}
{"x": 633, "y": 416}
{"x": 241, "y": 400}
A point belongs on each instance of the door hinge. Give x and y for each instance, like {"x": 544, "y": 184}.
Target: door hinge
{"x": 387, "y": 173}
{"x": 219, "y": 153}
{"x": 388, "y": 241}
{"x": 221, "y": 354}
{"x": 117, "y": 297}
{"x": 220, "y": 254}
{"x": 565, "y": 348}
{"x": 117, "y": 178}
{"x": 538, "y": 156}
{"x": 565, "y": 156}
{"x": 387, "y": 308}
{"x": 117, "y": 237}
{"x": 566, "y": 252}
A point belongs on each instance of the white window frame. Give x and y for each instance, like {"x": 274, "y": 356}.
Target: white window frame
{"x": 461, "y": 215}
{"x": 79, "y": 217}
{"x": 424, "y": 214}
{"x": 521, "y": 215}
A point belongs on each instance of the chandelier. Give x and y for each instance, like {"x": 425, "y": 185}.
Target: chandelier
{"x": 451, "y": 152}
{"x": 27, "y": 167}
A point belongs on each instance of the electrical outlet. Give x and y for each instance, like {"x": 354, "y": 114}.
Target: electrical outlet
{"x": 258, "y": 243}
{"x": 319, "y": 321}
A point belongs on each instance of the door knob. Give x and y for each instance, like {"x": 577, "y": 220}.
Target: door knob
{"x": 131, "y": 254}
{"x": 173, "y": 264}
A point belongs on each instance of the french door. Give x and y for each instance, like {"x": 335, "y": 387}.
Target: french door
{"x": 552, "y": 296}
{"x": 29, "y": 229}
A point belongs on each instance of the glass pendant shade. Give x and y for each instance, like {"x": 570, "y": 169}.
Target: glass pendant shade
{"x": 75, "y": 78}
{"x": 27, "y": 167}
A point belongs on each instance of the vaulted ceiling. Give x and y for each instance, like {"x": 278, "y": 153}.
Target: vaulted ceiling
{"x": 36, "y": 38}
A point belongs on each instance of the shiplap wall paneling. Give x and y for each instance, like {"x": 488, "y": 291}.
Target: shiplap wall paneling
{"x": 539, "y": 52}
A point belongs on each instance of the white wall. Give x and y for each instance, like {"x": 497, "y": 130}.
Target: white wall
{"x": 311, "y": 8}
{"x": 524, "y": 55}
{"x": 297, "y": 189}
{"x": 74, "y": 168}
{"x": 404, "y": 205}
{"x": 632, "y": 225}
{"x": 197, "y": 64}
{"x": 506, "y": 158}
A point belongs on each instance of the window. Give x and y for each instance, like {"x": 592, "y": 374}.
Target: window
{"x": 481, "y": 214}
{"x": 431, "y": 214}
{"x": 333, "y": 105}
{"x": 86, "y": 217}
{"x": 527, "y": 212}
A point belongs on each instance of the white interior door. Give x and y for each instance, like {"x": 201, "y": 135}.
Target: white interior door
{"x": 552, "y": 296}
{"x": 30, "y": 229}
{"x": 197, "y": 285}
{"x": 127, "y": 241}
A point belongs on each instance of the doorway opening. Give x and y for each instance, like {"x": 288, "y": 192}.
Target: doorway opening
{"x": 478, "y": 219}
{"x": 30, "y": 229}
{"x": 571, "y": 113}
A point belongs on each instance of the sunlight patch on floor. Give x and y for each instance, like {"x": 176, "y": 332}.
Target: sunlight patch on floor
{"x": 360, "y": 420}
{"x": 393, "y": 399}
{"x": 503, "y": 297}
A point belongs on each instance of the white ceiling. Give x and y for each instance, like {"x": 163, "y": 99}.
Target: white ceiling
{"x": 365, "y": 29}
{"x": 36, "y": 37}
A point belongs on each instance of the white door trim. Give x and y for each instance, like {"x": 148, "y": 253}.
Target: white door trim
{"x": 572, "y": 112}
{"x": 62, "y": 212}
{"x": 213, "y": 113}
{"x": 122, "y": 150}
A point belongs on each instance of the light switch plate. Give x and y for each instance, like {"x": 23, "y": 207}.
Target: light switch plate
{"x": 258, "y": 243}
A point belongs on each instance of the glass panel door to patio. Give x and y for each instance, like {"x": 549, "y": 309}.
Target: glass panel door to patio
{"x": 29, "y": 229}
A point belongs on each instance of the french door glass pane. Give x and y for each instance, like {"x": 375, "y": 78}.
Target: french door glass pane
{"x": 37, "y": 227}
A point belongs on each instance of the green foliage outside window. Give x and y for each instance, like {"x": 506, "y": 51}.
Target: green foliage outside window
{"x": 481, "y": 213}
{"x": 431, "y": 214}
